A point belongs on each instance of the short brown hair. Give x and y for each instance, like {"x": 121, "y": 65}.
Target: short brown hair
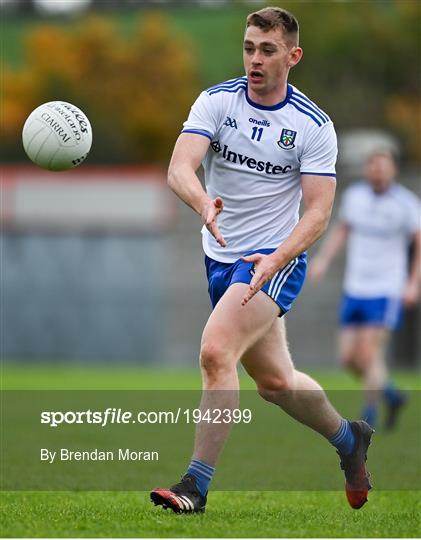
{"x": 270, "y": 18}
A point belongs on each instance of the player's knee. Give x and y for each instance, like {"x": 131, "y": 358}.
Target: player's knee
{"x": 270, "y": 388}
{"x": 365, "y": 357}
{"x": 352, "y": 363}
{"x": 214, "y": 359}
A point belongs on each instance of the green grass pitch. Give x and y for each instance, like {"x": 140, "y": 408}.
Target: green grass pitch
{"x": 229, "y": 514}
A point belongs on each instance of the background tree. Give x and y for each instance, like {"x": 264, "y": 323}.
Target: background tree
{"x": 135, "y": 92}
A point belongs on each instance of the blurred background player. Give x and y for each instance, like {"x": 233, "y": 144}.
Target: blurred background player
{"x": 378, "y": 221}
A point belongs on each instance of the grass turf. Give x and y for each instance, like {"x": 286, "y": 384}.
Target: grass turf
{"x": 229, "y": 514}
{"x": 18, "y": 376}
{"x": 247, "y": 514}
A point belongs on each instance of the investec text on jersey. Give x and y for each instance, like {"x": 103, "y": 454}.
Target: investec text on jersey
{"x": 267, "y": 167}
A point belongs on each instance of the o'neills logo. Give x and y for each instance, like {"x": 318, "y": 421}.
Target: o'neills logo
{"x": 250, "y": 163}
{"x": 259, "y": 122}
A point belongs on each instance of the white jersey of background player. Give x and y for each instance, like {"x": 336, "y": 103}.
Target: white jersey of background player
{"x": 279, "y": 143}
{"x": 380, "y": 225}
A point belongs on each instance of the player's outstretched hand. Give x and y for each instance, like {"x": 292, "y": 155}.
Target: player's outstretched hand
{"x": 264, "y": 270}
{"x": 209, "y": 213}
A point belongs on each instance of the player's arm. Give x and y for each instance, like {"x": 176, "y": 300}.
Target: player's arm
{"x": 189, "y": 151}
{"x": 318, "y": 197}
{"x": 331, "y": 247}
{"x": 412, "y": 288}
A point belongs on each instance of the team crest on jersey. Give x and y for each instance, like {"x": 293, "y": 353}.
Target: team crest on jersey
{"x": 287, "y": 139}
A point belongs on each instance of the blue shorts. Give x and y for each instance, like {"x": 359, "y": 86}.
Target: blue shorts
{"x": 382, "y": 311}
{"x": 283, "y": 288}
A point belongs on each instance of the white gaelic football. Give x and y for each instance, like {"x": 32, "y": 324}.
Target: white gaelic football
{"x": 57, "y": 136}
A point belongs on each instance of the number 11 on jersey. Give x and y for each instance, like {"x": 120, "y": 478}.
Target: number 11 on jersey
{"x": 256, "y": 133}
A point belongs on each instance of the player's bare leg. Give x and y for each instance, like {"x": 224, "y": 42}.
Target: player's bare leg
{"x": 269, "y": 363}
{"x": 362, "y": 350}
{"x": 229, "y": 332}
{"x": 370, "y": 358}
{"x": 348, "y": 349}
{"x": 370, "y": 348}
{"x": 360, "y": 354}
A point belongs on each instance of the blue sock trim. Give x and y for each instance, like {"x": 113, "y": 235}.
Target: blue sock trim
{"x": 339, "y": 434}
{"x": 206, "y": 469}
{"x": 202, "y": 473}
{"x": 344, "y": 438}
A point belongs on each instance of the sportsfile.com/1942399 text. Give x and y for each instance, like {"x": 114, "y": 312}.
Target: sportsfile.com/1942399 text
{"x": 113, "y": 415}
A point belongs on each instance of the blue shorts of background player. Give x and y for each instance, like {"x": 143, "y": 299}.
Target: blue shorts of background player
{"x": 283, "y": 288}
{"x": 383, "y": 311}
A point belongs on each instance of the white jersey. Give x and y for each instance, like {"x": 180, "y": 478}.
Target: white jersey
{"x": 255, "y": 161}
{"x": 381, "y": 227}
